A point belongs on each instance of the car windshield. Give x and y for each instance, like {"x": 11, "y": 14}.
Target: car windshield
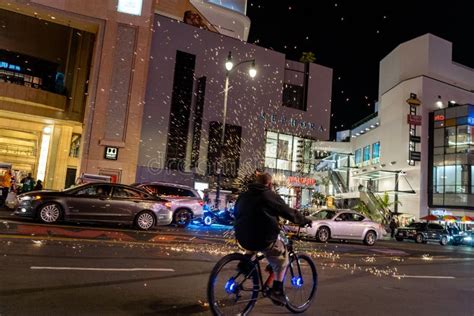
{"x": 324, "y": 214}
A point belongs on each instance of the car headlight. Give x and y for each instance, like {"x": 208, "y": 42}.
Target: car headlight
{"x": 30, "y": 198}
{"x": 468, "y": 238}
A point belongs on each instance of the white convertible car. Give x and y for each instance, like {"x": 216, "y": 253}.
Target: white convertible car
{"x": 343, "y": 225}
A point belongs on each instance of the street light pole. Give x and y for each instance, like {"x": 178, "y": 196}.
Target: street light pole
{"x": 220, "y": 163}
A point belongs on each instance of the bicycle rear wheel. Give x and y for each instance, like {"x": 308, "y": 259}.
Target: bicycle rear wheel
{"x": 233, "y": 286}
{"x": 301, "y": 282}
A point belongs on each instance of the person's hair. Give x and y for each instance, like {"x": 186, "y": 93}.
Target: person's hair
{"x": 263, "y": 178}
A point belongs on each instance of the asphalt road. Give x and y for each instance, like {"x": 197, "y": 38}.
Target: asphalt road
{"x": 82, "y": 270}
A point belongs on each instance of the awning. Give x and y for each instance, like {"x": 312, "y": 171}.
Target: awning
{"x": 376, "y": 174}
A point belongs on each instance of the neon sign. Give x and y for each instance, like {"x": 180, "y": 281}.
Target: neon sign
{"x": 439, "y": 117}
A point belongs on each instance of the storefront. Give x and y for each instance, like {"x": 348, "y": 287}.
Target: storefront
{"x": 290, "y": 159}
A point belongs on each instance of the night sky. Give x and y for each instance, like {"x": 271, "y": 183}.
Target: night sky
{"x": 353, "y": 36}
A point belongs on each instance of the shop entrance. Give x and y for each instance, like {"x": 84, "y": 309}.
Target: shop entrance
{"x": 20, "y": 150}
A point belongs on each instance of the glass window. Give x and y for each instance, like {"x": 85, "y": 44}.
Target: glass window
{"x": 271, "y": 148}
{"x": 376, "y": 150}
{"x": 450, "y": 139}
{"x": 324, "y": 214}
{"x": 439, "y": 179}
{"x": 472, "y": 179}
{"x": 75, "y": 145}
{"x": 463, "y": 139}
{"x": 366, "y": 153}
{"x": 162, "y": 190}
{"x": 358, "y": 156}
{"x": 285, "y": 147}
{"x": 120, "y": 192}
{"x": 439, "y": 137}
{"x": 270, "y": 163}
{"x": 94, "y": 190}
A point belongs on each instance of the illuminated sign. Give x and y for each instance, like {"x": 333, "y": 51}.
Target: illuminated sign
{"x": 111, "y": 153}
{"x": 133, "y": 7}
{"x": 439, "y": 117}
{"x": 413, "y": 100}
{"x": 470, "y": 120}
{"x": 301, "y": 181}
{"x": 282, "y": 119}
{"x": 414, "y": 119}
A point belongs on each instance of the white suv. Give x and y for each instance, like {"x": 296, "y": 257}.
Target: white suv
{"x": 186, "y": 204}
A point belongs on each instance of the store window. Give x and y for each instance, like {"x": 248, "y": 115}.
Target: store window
{"x": 286, "y": 152}
{"x": 376, "y": 152}
{"x": 293, "y": 96}
{"x": 358, "y": 156}
{"x": 366, "y": 153}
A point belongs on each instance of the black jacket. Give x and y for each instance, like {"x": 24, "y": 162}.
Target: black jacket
{"x": 257, "y": 213}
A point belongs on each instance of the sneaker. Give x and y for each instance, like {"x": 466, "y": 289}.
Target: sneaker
{"x": 277, "y": 297}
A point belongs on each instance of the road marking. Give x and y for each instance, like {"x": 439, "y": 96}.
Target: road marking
{"x": 103, "y": 269}
{"x": 422, "y": 276}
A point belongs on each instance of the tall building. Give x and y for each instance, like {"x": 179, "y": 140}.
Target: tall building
{"x": 419, "y": 87}
{"x": 272, "y": 120}
{"x": 72, "y": 79}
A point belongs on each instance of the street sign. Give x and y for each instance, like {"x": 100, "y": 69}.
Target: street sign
{"x": 414, "y": 119}
{"x": 415, "y": 156}
{"x": 415, "y": 139}
{"x": 111, "y": 153}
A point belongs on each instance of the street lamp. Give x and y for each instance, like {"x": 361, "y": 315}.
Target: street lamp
{"x": 230, "y": 67}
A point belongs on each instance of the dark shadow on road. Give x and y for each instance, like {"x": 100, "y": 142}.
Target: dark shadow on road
{"x": 94, "y": 284}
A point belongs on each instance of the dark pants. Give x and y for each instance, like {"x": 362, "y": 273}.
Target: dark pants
{"x": 392, "y": 233}
{"x": 4, "y": 195}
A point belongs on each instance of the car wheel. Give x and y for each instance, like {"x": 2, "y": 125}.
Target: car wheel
{"x": 323, "y": 234}
{"x": 399, "y": 239}
{"x": 370, "y": 238}
{"x": 207, "y": 220}
{"x": 145, "y": 220}
{"x": 419, "y": 239}
{"x": 443, "y": 241}
{"x": 50, "y": 213}
{"x": 182, "y": 218}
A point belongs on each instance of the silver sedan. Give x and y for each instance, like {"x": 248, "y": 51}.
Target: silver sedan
{"x": 343, "y": 225}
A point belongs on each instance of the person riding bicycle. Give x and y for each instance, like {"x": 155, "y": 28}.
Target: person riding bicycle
{"x": 257, "y": 213}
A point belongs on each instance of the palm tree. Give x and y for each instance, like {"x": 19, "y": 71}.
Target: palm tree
{"x": 385, "y": 205}
{"x": 307, "y": 57}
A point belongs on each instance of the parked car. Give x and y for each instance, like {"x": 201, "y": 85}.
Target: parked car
{"x": 423, "y": 232}
{"x": 343, "y": 225}
{"x": 96, "y": 202}
{"x": 468, "y": 239}
{"x": 186, "y": 204}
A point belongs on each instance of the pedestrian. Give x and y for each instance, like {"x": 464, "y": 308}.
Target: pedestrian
{"x": 393, "y": 226}
{"x": 28, "y": 183}
{"x": 6, "y": 185}
{"x": 38, "y": 186}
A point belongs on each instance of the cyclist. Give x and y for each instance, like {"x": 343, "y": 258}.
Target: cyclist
{"x": 257, "y": 213}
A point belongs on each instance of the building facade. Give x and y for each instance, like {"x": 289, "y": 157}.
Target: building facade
{"x": 71, "y": 87}
{"x": 268, "y": 117}
{"x": 391, "y": 149}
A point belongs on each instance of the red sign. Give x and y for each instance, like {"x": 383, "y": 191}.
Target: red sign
{"x": 414, "y": 119}
{"x": 439, "y": 117}
{"x": 301, "y": 181}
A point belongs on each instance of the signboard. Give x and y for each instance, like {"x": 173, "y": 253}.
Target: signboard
{"x": 414, "y": 119}
{"x": 301, "y": 181}
{"x": 415, "y": 156}
{"x": 415, "y": 139}
{"x": 439, "y": 117}
{"x": 111, "y": 153}
{"x": 413, "y": 100}
{"x": 133, "y": 7}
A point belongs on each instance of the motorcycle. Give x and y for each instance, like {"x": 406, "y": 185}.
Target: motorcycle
{"x": 224, "y": 217}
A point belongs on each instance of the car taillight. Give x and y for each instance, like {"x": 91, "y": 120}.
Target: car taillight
{"x": 201, "y": 202}
{"x": 168, "y": 204}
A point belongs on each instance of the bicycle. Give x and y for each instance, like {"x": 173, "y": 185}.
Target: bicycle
{"x": 241, "y": 287}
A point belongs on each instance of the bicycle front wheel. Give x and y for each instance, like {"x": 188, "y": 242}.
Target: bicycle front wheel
{"x": 233, "y": 286}
{"x": 301, "y": 282}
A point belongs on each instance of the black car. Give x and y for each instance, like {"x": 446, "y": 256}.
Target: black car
{"x": 423, "y": 232}
{"x": 96, "y": 202}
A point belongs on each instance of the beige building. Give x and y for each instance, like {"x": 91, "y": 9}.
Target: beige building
{"x": 72, "y": 79}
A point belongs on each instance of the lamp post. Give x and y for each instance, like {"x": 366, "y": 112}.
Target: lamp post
{"x": 230, "y": 67}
